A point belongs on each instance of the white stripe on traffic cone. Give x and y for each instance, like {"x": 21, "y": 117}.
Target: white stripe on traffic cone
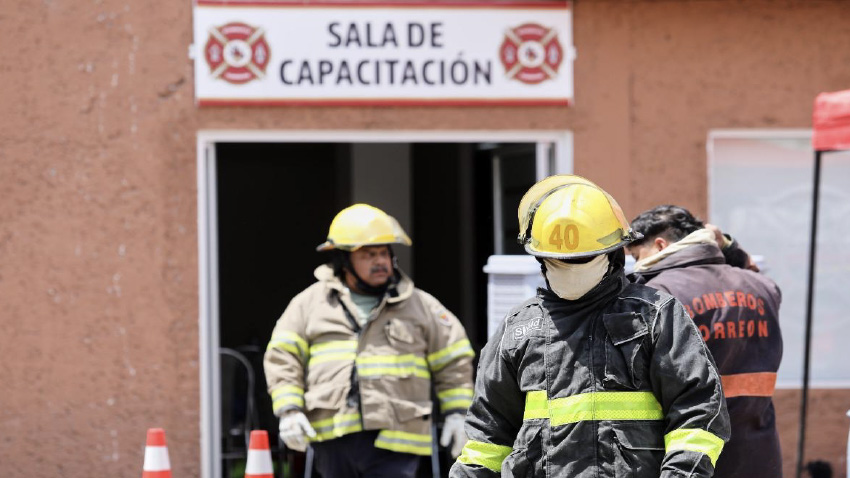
{"x": 259, "y": 456}
{"x": 156, "y": 464}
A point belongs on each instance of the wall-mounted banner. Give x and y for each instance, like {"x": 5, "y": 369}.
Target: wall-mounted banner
{"x": 413, "y": 53}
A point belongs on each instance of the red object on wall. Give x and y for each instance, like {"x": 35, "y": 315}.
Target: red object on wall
{"x": 831, "y": 121}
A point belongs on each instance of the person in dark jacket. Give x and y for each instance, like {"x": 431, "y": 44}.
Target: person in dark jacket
{"x": 737, "y": 313}
{"x": 595, "y": 376}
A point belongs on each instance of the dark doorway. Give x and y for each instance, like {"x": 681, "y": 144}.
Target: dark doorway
{"x": 275, "y": 203}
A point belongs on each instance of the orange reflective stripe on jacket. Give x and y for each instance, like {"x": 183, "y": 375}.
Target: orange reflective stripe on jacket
{"x": 759, "y": 384}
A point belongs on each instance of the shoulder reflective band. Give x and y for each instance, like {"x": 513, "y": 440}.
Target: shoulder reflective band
{"x": 455, "y": 399}
{"x": 488, "y": 455}
{"x": 291, "y": 342}
{"x": 760, "y": 384}
{"x": 441, "y": 358}
{"x": 694, "y": 439}
{"x": 287, "y": 395}
{"x": 404, "y": 442}
{"x": 592, "y": 406}
{"x": 332, "y": 351}
{"x": 395, "y": 365}
{"x": 336, "y": 426}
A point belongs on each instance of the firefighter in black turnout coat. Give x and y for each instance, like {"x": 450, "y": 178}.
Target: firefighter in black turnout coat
{"x": 595, "y": 376}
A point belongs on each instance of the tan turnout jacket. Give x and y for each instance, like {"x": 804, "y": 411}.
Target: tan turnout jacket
{"x": 409, "y": 341}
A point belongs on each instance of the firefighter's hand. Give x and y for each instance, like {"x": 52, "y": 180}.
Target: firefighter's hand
{"x": 453, "y": 433}
{"x": 294, "y": 430}
{"x": 722, "y": 241}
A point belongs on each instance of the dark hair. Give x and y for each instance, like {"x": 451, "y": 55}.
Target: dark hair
{"x": 339, "y": 259}
{"x": 670, "y": 222}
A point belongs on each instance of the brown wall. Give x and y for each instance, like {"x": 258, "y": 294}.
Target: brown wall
{"x": 98, "y": 236}
{"x": 826, "y": 428}
{"x": 98, "y": 240}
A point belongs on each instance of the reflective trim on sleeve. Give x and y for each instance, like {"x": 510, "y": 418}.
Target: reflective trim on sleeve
{"x": 404, "y": 442}
{"x": 291, "y": 342}
{"x": 441, "y": 358}
{"x": 488, "y": 455}
{"x": 694, "y": 439}
{"x": 336, "y": 426}
{"x": 395, "y": 365}
{"x": 287, "y": 395}
{"x": 455, "y": 398}
{"x": 592, "y": 406}
{"x": 331, "y": 351}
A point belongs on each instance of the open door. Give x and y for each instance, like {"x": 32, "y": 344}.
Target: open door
{"x": 267, "y": 201}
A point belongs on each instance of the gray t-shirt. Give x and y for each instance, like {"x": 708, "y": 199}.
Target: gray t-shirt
{"x": 365, "y": 304}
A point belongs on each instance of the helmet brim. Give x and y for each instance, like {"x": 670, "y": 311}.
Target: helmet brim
{"x": 329, "y": 245}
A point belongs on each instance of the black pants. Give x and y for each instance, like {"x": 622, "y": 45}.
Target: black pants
{"x": 355, "y": 456}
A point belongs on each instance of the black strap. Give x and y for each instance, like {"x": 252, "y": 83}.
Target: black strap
{"x": 353, "y": 398}
{"x": 355, "y": 326}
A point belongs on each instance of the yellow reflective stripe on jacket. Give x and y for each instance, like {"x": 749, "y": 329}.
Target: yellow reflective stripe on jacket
{"x": 333, "y": 350}
{"x": 287, "y": 395}
{"x": 291, "y": 342}
{"x": 694, "y": 439}
{"x": 536, "y": 405}
{"x": 483, "y": 454}
{"x": 441, "y": 358}
{"x": 593, "y": 406}
{"x": 337, "y": 426}
{"x": 404, "y": 442}
{"x": 455, "y": 398}
{"x": 396, "y": 365}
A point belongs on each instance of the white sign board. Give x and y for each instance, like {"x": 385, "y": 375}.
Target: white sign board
{"x": 335, "y": 53}
{"x": 760, "y": 191}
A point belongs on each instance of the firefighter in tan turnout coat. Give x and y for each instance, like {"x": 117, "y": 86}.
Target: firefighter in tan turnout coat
{"x": 352, "y": 360}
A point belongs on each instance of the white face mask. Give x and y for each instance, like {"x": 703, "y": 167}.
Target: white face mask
{"x": 572, "y": 281}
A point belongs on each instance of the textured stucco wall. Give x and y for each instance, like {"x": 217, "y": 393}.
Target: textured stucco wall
{"x": 98, "y": 245}
{"x": 98, "y": 237}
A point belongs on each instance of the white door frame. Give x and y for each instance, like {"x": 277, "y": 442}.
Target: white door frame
{"x": 547, "y": 163}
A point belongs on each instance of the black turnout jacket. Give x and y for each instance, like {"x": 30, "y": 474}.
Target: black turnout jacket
{"x": 616, "y": 384}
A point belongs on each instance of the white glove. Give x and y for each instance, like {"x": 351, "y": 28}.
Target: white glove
{"x": 453, "y": 433}
{"x": 294, "y": 430}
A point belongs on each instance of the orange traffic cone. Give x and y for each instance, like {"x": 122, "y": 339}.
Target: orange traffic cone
{"x": 156, "y": 455}
{"x": 259, "y": 456}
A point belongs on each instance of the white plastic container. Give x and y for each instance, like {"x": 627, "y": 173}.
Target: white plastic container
{"x": 511, "y": 280}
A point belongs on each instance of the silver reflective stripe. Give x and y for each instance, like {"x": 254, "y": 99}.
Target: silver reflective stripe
{"x": 441, "y": 358}
{"x": 404, "y": 442}
{"x": 400, "y": 365}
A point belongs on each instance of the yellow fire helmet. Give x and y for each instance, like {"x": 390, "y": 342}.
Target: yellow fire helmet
{"x": 569, "y": 217}
{"x": 363, "y": 225}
